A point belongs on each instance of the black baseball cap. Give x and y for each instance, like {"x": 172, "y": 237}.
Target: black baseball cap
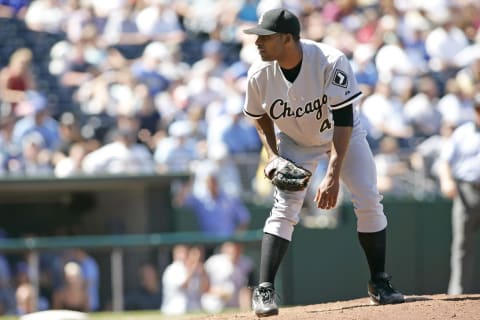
{"x": 276, "y": 21}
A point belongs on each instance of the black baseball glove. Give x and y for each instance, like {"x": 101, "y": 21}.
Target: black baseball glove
{"x": 286, "y": 175}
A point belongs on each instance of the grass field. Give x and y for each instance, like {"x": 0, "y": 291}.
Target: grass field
{"x": 143, "y": 315}
{"x": 136, "y": 315}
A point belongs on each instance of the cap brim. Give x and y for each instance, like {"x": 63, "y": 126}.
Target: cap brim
{"x": 259, "y": 31}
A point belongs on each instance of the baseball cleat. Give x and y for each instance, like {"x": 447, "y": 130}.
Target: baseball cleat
{"x": 263, "y": 301}
{"x": 381, "y": 290}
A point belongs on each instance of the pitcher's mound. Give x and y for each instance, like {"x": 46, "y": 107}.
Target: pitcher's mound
{"x": 440, "y": 307}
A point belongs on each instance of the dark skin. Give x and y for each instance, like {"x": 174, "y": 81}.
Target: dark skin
{"x": 287, "y": 51}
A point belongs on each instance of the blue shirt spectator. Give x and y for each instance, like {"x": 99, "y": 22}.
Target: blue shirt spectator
{"x": 14, "y": 6}
{"x": 38, "y": 121}
{"x": 217, "y": 213}
{"x": 91, "y": 274}
{"x": 145, "y": 69}
{"x": 234, "y": 131}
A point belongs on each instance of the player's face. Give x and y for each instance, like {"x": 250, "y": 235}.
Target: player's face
{"x": 270, "y": 47}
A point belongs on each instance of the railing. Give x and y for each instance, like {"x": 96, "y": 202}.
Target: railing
{"x": 116, "y": 244}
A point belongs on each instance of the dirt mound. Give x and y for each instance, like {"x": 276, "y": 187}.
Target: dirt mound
{"x": 441, "y": 307}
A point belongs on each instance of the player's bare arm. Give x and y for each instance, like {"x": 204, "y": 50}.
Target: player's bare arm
{"x": 327, "y": 193}
{"x": 266, "y": 132}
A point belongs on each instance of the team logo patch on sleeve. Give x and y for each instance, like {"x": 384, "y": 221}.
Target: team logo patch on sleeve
{"x": 340, "y": 78}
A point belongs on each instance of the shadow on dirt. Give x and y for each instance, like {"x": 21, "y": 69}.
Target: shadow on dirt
{"x": 445, "y": 298}
{"x": 460, "y": 298}
{"x": 408, "y": 299}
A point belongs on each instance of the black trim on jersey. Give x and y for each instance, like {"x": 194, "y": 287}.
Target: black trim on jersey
{"x": 343, "y": 117}
{"x": 333, "y": 106}
{"x": 291, "y": 74}
{"x": 251, "y": 115}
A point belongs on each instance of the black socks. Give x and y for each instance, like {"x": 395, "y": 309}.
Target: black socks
{"x": 273, "y": 251}
{"x": 374, "y": 245}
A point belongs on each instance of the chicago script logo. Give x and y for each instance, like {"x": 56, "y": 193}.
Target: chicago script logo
{"x": 281, "y": 109}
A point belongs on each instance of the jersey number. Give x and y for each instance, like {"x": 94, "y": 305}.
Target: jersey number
{"x": 325, "y": 125}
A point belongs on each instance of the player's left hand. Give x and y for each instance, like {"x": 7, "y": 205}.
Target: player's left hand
{"x": 327, "y": 193}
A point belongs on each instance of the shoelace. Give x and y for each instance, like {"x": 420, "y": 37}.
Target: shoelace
{"x": 267, "y": 294}
{"x": 387, "y": 285}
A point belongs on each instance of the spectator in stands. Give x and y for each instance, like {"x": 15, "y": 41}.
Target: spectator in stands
{"x": 71, "y": 165}
{"x": 392, "y": 170}
{"x": 363, "y": 65}
{"x": 13, "y": 8}
{"x": 425, "y": 158}
{"x": 159, "y": 22}
{"x": 392, "y": 61}
{"x": 443, "y": 43}
{"x": 470, "y": 72}
{"x": 73, "y": 294}
{"x": 231, "y": 274}
{"x": 216, "y": 212}
{"x": 212, "y": 61}
{"x": 22, "y": 280}
{"x": 121, "y": 31}
{"x": 35, "y": 159}
{"x": 122, "y": 156}
{"x": 456, "y": 106}
{"x": 77, "y": 68}
{"x": 16, "y": 79}
{"x": 226, "y": 128}
{"x": 212, "y": 161}
{"x": 91, "y": 274}
{"x": 69, "y": 130}
{"x": 184, "y": 281}
{"x": 149, "y": 118}
{"x": 421, "y": 110}
{"x": 38, "y": 121}
{"x": 79, "y": 17}
{"x": 8, "y": 149}
{"x": 385, "y": 114}
{"x": 7, "y": 300}
{"x": 45, "y": 16}
{"x": 148, "y": 295}
{"x": 176, "y": 152}
{"x": 200, "y": 19}
{"x": 145, "y": 68}
{"x": 25, "y": 299}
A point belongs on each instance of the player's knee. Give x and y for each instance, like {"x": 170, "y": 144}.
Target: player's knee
{"x": 280, "y": 227}
{"x": 285, "y": 213}
{"x": 371, "y": 221}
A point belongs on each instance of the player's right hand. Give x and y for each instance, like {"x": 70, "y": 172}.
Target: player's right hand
{"x": 327, "y": 193}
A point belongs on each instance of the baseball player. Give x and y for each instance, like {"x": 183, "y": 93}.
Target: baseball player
{"x": 302, "y": 97}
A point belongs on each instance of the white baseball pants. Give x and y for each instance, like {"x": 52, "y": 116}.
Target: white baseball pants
{"x": 358, "y": 175}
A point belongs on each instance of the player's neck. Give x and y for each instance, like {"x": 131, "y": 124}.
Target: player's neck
{"x": 292, "y": 57}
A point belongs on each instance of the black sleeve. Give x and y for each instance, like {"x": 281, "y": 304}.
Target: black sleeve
{"x": 343, "y": 117}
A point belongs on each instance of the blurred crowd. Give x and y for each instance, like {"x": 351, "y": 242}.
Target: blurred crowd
{"x": 68, "y": 280}
{"x": 154, "y": 86}
{"x": 192, "y": 281}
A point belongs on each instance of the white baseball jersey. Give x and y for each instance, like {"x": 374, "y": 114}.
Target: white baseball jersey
{"x": 302, "y": 109}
